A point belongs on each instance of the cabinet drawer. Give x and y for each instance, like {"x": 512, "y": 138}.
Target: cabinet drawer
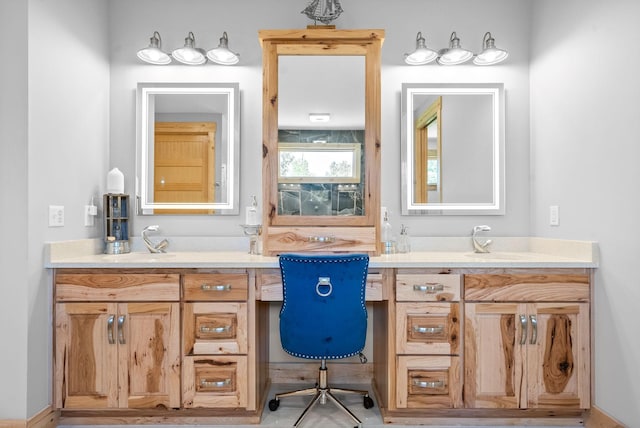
{"x": 117, "y": 287}
{"x": 214, "y": 381}
{"x": 215, "y": 286}
{"x": 269, "y": 284}
{"x": 427, "y": 287}
{"x": 526, "y": 287}
{"x": 429, "y": 382}
{"x": 319, "y": 239}
{"x": 428, "y": 328}
{"x": 215, "y": 328}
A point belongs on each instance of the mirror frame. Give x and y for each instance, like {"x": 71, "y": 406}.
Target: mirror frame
{"x": 144, "y": 91}
{"x": 497, "y": 204}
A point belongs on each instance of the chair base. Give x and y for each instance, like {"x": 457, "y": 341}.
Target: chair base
{"x": 320, "y": 394}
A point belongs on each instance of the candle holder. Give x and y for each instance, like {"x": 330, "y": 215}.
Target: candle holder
{"x": 253, "y": 231}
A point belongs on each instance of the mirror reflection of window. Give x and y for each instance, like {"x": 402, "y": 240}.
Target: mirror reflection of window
{"x": 428, "y": 153}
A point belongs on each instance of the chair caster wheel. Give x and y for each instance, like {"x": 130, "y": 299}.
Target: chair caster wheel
{"x": 274, "y": 404}
{"x": 367, "y": 402}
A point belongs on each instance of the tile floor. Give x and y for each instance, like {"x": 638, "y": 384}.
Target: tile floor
{"x": 322, "y": 416}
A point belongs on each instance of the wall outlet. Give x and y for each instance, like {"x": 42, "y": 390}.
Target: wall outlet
{"x": 89, "y": 215}
{"x": 554, "y": 215}
{"x": 56, "y": 215}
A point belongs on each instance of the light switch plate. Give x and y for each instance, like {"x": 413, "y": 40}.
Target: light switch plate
{"x": 554, "y": 215}
{"x": 56, "y": 215}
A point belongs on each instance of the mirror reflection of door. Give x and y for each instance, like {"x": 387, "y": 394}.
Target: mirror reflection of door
{"x": 428, "y": 154}
{"x": 184, "y": 164}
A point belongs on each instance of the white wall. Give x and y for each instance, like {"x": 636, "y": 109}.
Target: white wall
{"x": 54, "y": 133}
{"x": 132, "y": 23}
{"x": 13, "y": 207}
{"x": 585, "y": 139}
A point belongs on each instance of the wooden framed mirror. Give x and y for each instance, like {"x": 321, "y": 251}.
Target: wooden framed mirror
{"x": 321, "y": 181}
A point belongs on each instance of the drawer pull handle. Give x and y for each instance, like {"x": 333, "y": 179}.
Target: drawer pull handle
{"x": 428, "y": 384}
{"x": 215, "y": 383}
{"x": 217, "y": 330}
{"x": 523, "y": 332}
{"x": 321, "y": 239}
{"x": 210, "y": 287}
{"x": 429, "y": 288}
{"x": 110, "y": 322}
{"x": 121, "y": 319}
{"x": 428, "y": 330}
{"x": 534, "y": 333}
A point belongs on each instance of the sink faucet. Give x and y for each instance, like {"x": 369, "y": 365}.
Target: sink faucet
{"x": 160, "y": 247}
{"x": 480, "y": 247}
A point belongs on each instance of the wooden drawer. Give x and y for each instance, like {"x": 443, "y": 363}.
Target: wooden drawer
{"x": 526, "y": 287}
{"x": 215, "y": 381}
{"x": 215, "y": 286}
{"x": 428, "y": 328}
{"x": 214, "y": 328}
{"x": 429, "y": 382}
{"x": 427, "y": 287}
{"x": 117, "y": 287}
{"x": 269, "y": 284}
{"x": 319, "y": 239}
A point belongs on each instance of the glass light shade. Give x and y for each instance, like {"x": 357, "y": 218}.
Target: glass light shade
{"x": 455, "y": 54}
{"x": 422, "y": 55}
{"x": 189, "y": 54}
{"x": 222, "y": 55}
{"x": 490, "y": 54}
{"x": 153, "y": 53}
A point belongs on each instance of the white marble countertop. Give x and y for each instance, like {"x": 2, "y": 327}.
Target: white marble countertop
{"x": 437, "y": 253}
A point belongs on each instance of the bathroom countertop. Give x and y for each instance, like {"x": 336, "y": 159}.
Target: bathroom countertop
{"x": 526, "y": 253}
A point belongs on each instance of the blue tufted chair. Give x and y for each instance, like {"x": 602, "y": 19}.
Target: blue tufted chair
{"x": 323, "y": 317}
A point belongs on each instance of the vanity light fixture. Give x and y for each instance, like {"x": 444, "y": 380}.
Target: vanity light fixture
{"x": 189, "y": 54}
{"x": 454, "y": 54}
{"x": 153, "y": 54}
{"x": 222, "y": 55}
{"x": 490, "y": 54}
{"x": 422, "y": 55}
{"x": 319, "y": 117}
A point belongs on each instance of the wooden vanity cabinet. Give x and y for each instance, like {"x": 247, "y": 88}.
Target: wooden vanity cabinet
{"x": 117, "y": 341}
{"x": 428, "y": 362}
{"x": 527, "y": 341}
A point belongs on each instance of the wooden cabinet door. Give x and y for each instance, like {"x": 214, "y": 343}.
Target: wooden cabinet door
{"x": 494, "y": 359}
{"x": 558, "y": 360}
{"x": 149, "y": 354}
{"x": 86, "y": 356}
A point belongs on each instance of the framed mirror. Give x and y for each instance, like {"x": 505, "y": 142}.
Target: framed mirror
{"x": 452, "y": 149}
{"x": 187, "y": 149}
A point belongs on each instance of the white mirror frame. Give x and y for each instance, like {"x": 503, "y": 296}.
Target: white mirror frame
{"x": 145, "y": 204}
{"x": 497, "y": 204}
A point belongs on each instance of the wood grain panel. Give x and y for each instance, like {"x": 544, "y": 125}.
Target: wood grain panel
{"x": 215, "y": 286}
{"x": 526, "y": 287}
{"x": 117, "y": 287}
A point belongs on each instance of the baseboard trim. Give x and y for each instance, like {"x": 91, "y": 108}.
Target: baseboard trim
{"x": 597, "y": 418}
{"x": 46, "y": 418}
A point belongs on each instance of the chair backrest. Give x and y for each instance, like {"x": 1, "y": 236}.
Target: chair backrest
{"x": 323, "y": 313}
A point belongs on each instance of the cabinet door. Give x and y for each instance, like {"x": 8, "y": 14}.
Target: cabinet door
{"x": 493, "y": 355}
{"x": 149, "y": 354}
{"x": 86, "y": 356}
{"x": 558, "y": 356}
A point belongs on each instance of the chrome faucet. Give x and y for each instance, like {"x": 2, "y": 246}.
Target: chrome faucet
{"x": 480, "y": 247}
{"x": 160, "y": 247}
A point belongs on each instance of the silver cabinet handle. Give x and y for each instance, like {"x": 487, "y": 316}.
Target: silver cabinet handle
{"x": 523, "y": 333}
{"x": 210, "y": 287}
{"x": 321, "y": 239}
{"x": 534, "y": 333}
{"x": 214, "y": 384}
{"x": 216, "y": 330}
{"x": 110, "y": 337}
{"x": 121, "y": 340}
{"x": 428, "y": 330}
{"x": 428, "y": 384}
{"x": 429, "y": 288}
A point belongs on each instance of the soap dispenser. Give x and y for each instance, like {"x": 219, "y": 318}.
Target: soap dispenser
{"x": 388, "y": 245}
{"x": 404, "y": 245}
